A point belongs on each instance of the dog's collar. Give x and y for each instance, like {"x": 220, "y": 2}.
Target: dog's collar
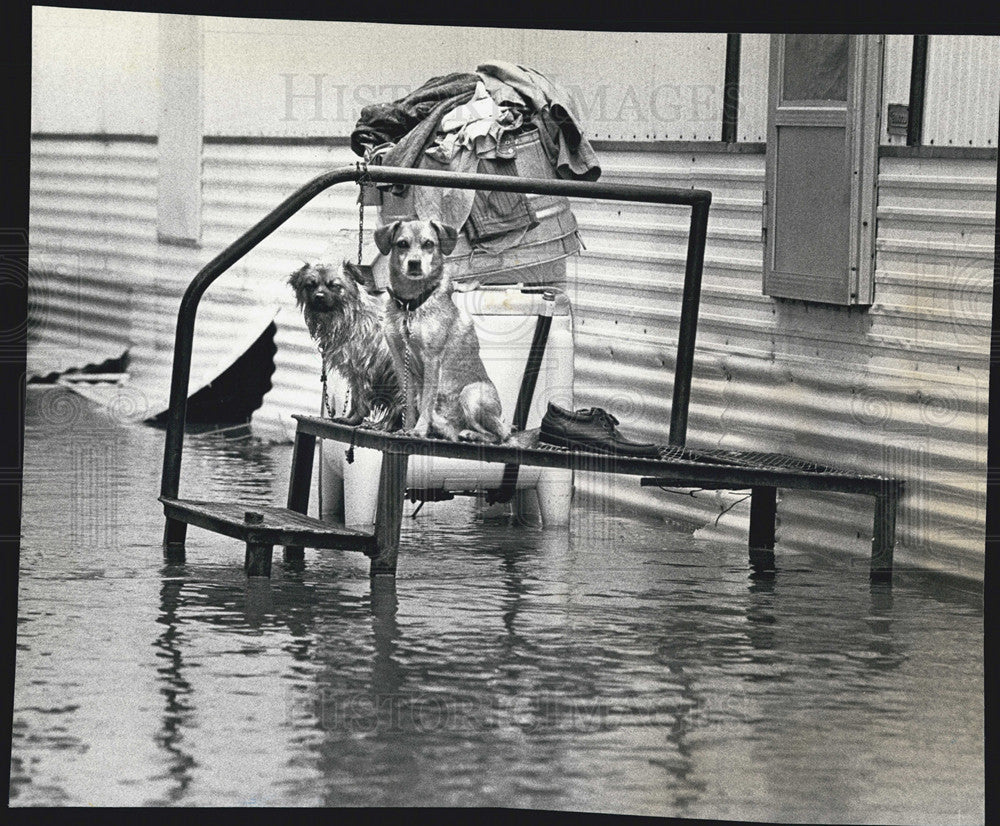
{"x": 410, "y": 304}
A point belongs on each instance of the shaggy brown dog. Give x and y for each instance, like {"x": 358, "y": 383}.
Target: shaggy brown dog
{"x": 342, "y": 310}
{"x": 448, "y": 392}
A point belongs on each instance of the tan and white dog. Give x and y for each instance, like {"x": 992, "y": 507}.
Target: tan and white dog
{"x": 433, "y": 344}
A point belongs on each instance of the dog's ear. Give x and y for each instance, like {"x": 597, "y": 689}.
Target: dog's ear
{"x": 447, "y": 237}
{"x": 364, "y": 275}
{"x": 384, "y": 236}
{"x": 295, "y": 280}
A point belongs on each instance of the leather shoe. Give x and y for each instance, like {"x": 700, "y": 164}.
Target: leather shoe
{"x": 591, "y": 429}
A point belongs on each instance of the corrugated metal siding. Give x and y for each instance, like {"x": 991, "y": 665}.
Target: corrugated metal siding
{"x": 242, "y": 184}
{"x": 101, "y": 283}
{"x": 963, "y": 90}
{"x": 900, "y": 388}
{"x": 91, "y": 204}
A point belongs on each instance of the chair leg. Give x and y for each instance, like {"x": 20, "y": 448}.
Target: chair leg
{"x": 299, "y": 484}
{"x": 763, "y": 506}
{"x": 389, "y": 513}
{"x": 884, "y": 535}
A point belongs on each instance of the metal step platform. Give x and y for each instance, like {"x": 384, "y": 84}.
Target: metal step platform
{"x": 262, "y": 527}
{"x": 677, "y": 466}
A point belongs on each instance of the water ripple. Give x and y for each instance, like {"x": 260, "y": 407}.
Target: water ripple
{"x": 621, "y": 666}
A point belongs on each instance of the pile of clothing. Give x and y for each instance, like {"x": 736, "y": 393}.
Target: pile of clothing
{"x": 472, "y": 122}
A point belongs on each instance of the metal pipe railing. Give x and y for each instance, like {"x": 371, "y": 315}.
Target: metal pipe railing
{"x": 699, "y": 200}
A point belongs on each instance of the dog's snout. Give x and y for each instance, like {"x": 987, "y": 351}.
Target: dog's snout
{"x": 414, "y": 265}
{"x": 321, "y": 297}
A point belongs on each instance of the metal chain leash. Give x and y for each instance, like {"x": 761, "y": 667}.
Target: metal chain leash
{"x": 322, "y": 415}
{"x": 406, "y": 370}
{"x": 324, "y": 401}
{"x": 322, "y": 378}
{"x": 361, "y": 221}
{"x": 364, "y": 179}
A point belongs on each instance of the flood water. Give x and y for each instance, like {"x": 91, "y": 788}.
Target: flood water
{"x": 621, "y": 666}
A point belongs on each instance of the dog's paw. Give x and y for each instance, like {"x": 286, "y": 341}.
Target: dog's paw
{"x": 421, "y": 429}
{"x": 466, "y": 285}
{"x": 523, "y": 438}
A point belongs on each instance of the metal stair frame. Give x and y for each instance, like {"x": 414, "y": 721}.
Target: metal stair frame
{"x": 390, "y": 499}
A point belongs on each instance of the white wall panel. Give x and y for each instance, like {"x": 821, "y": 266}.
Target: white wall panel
{"x": 963, "y": 90}
{"x": 639, "y": 85}
{"x": 897, "y": 61}
{"x": 180, "y": 128}
{"x": 313, "y": 77}
{"x": 93, "y": 71}
{"x": 755, "y": 53}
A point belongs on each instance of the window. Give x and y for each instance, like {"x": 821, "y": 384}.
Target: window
{"x": 822, "y": 154}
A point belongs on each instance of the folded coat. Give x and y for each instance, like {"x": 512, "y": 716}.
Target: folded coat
{"x": 390, "y": 122}
{"x": 411, "y": 125}
{"x": 556, "y": 116}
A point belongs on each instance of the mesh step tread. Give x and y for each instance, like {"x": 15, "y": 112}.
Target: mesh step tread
{"x": 668, "y": 454}
{"x": 754, "y": 458}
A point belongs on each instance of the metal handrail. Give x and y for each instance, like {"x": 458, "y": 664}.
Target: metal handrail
{"x": 698, "y": 199}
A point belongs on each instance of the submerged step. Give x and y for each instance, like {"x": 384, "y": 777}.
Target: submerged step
{"x": 267, "y": 525}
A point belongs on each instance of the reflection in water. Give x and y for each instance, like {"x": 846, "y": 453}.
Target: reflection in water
{"x": 881, "y": 643}
{"x": 223, "y": 462}
{"x": 258, "y": 602}
{"x": 513, "y": 597}
{"x": 387, "y": 673}
{"x": 760, "y": 628}
{"x": 618, "y": 667}
{"x": 176, "y": 690}
{"x": 881, "y": 607}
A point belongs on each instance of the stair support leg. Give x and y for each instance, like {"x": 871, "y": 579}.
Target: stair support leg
{"x": 763, "y": 507}
{"x": 884, "y": 534}
{"x": 299, "y": 485}
{"x": 258, "y": 559}
{"x": 174, "y": 537}
{"x": 389, "y": 513}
